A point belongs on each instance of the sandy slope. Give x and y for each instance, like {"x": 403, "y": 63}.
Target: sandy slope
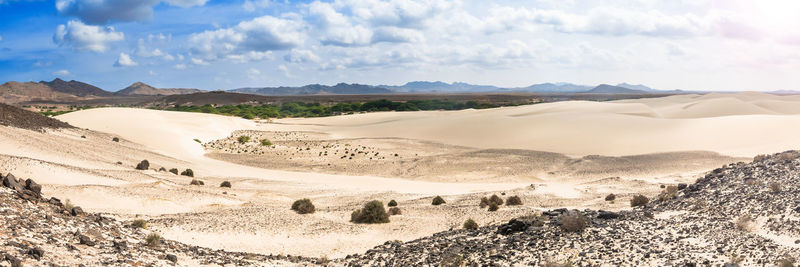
{"x": 459, "y": 154}
{"x": 742, "y": 124}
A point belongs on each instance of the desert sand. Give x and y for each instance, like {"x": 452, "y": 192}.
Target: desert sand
{"x": 564, "y": 154}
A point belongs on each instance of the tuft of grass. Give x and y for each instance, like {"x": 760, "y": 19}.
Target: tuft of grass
{"x": 639, "y": 200}
{"x": 744, "y": 223}
{"x": 243, "y": 139}
{"x": 493, "y": 207}
{"x": 196, "y": 182}
{"x": 153, "y": 240}
{"x": 611, "y": 197}
{"x": 438, "y": 200}
{"x": 303, "y": 206}
{"x": 265, "y": 142}
{"x": 470, "y": 224}
{"x": 373, "y": 212}
{"x": 174, "y": 170}
{"x": 188, "y": 172}
{"x": 392, "y": 203}
{"x": 513, "y": 201}
{"x": 139, "y": 223}
{"x": 573, "y": 221}
{"x": 495, "y": 199}
{"x": 775, "y": 187}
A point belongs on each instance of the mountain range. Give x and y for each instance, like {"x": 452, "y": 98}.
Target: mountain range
{"x": 64, "y": 91}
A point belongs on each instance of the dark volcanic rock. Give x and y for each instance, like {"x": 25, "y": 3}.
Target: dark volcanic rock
{"x": 77, "y": 211}
{"x": 85, "y": 240}
{"x": 33, "y": 186}
{"x": 607, "y": 215}
{"x": 172, "y": 258}
{"x": 20, "y": 118}
{"x": 513, "y": 226}
{"x": 11, "y": 182}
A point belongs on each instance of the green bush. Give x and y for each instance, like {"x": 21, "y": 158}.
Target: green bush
{"x": 303, "y": 206}
{"x": 493, "y": 207}
{"x": 243, "y": 139}
{"x": 225, "y": 184}
{"x": 373, "y": 212}
{"x": 174, "y": 170}
{"x": 188, "y": 172}
{"x": 153, "y": 240}
{"x": 470, "y": 224}
{"x": 144, "y": 165}
{"x": 265, "y": 142}
{"x": 639, "y": 200}
{"x": 611, "y": 197}
{"x": 392, "y": 203}
{"x": 496, "y": 200}
{"x": 196, "y": 182}
{"x": 115, "y": 139}
{"x": 513, "y": 201}
{"x": 139, "y": 223}
{"x": 438, "y": 200}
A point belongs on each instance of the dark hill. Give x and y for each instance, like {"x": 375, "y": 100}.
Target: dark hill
{"x": 75, "y": 88}
{"x": 317, "y": 89}
{"x": 20, "y": 118}
{"x": 610, "y": 89}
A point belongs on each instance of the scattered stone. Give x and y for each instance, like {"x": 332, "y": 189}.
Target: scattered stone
{"x": 172, "y": 258}
{"x": 85, "y": 240}
{"x": 77, "y": 211}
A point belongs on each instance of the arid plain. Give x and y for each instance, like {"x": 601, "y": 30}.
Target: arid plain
{"x": 552, "y": 155}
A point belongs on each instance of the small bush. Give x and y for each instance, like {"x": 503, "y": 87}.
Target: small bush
{"x": 243, "y": 139}
{"x": 115, "y": 139}
{"x": 744, "y": 223}
{"x": 395, "y": 211}
{"x": 513, "y": 201}
{"x": 162, "y": 169}
{"x": 392, "y": 203}
{"x": 196, "y": 182}
{"x": 572, "y": 221}
{"x": 153, "y": 240}
{"x": 787, "y": 261}
{"x": 611, "y": 197}
{"x": 265, "y": 142}
{"x": 452, "y": 260}
{"x": 493, "y": 207}
{"x": 668, "y": 193}
{"x": 139, "y": 223}
{"x": 303, "y": 206}
{"x": 496, "y": 200}
{"x": 438, "y": 201}
{"x": 470, "y": 224}
{"x": 188, "y": 172}
{"x": 173, "y": 170}
{"x": 225, "y": 184}
{"x": 484, "y": 202}
{"x": 68, "y": 205}
{"x": 144, "y": 165}
{"x": 373, "y": 212}
{"x": 758, "y": 158}
{"x": 639, "y": 200}
{"x": 775, "y": 187}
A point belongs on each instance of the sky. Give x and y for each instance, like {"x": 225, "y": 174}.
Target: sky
{"x": 210, "y": 44}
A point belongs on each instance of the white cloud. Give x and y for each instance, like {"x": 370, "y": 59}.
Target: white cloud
{"x": 301, "y": 56}
{"x": 62, "y": 73}
{"x": 124, "y": 60}
{"x": 253, "y": 74}
{"x": 1, "y": 37}
{"x": 336, "y": 27}
{"x": 198, "y": 61}
{"x": 285, "y": 71}
{"x": 179, "y": 66}
{"x": 251, "y": 6}
{"x": 86, "y": 37}
{"x": 151, "y": 72}
{"x": 102, "y": 11}
{"x": 260, "y": 35}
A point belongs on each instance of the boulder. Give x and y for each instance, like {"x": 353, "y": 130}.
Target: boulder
{"x": 11, "y": 182}
{"x": 513, "y": 226}
{"x": 144, "y": 165}
{"x": 681, "y": 186}
{"x": 607, "y": 215}
{"x": 77, "y": 211}
{"x": 172, "y": 258}
{"x": 36, "y": 253}
{"x": 33, "y": 186}
{"x": 85, "y": 240}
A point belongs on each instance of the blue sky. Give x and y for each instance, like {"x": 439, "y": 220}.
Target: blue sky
{"x": 208, "y": 44}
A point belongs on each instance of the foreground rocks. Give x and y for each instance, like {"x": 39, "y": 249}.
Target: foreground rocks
{"x": 697, "y": 226}
{"x": 35, "y": 231}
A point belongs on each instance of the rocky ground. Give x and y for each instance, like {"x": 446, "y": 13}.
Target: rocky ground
{"x": 740, "y": 214}
{"x": 20, "y": 118}
{"x": 40, "y": 231}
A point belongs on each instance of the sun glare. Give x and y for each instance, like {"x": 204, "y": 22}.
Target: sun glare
{"x": 777, "y": 15}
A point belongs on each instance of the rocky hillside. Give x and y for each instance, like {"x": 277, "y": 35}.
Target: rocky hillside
{"x": 140, "y": 88}
{"x": 75, "y": 88}
{"x": 740, "y": 214}
{"x": 20, "y": 118}
{"x": 16, "y": 92}
{"x": 41, "y": 231}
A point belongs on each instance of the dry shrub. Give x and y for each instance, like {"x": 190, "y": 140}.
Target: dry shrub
{"x": 139, "y": 223}
{"x": 744, "y": 223}
{"x": 174, "y": 171}
{"x": 373, "y": 212}
{"x": 153, "y": 240}
{"x": 493, "y": 207}
{"x": 225, "y": 184}
{"x": 196, "y": 182}
{"x": 484, "y": 202}
{"x": 759, "y": 158}
{"x": 392, "y": 203}
{"x": 669, "y": 193}
{"x": 573, "y": 221}
{"x": 395, "y": 211}
{"x": 639, "y": 200}
{"x": 775, "y": 187}
{"x": 303, "y": 206}
{"x": 496, "y": 200}
{"x": 787, "y": 156}
{"x": 438, "y": 200}
{"x": 470, "y": 224}
{"x": 513, "y": 201}
{"x": 188, "y": 172}
{"x": 611, "y": 197}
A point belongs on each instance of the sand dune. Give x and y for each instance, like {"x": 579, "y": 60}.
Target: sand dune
{"x": 743, "y": 124}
